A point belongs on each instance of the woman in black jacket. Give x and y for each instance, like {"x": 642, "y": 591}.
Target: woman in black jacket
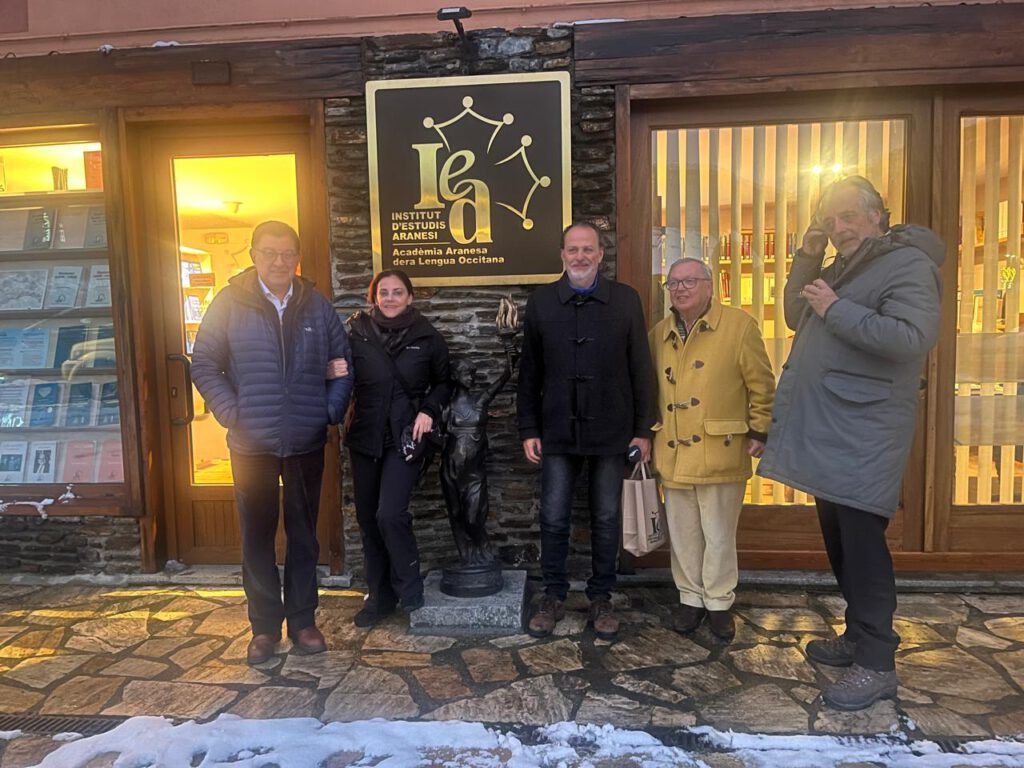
{"x": 400, "y": 363}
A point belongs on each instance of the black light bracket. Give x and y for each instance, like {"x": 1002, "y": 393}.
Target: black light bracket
{"x": 455, "y": 14}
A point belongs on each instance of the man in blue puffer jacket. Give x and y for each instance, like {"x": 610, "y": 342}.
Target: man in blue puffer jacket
{"x": 271, "y": 360}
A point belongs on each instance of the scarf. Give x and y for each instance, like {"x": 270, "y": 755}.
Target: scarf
{"x": 392, "y": 330}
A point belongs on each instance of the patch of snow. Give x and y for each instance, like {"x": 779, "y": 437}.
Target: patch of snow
{"x": 8, "y": 735}
{"x": 308, "y": 743}
{"x": 67, "y": 737}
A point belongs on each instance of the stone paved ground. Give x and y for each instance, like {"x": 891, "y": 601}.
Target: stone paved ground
{"x": 179, "y": 652}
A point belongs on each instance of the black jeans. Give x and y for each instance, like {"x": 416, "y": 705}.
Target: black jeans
{"x": 256, "y": 495}
{"x": 391, "y": 558}
{"x": 557, "y": 479}
{"x": 859, "y": 554}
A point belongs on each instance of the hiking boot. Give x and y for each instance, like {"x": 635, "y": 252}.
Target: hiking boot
{"x": 859, "y": 688}
{"x": 722, "y": 624}
{"x": 688, "y": 618}
{"x": 550, "y": 610}
{"x": 833, "y": 652}
{"x": 603, "y": 619}
{"x": 412, "y": 604}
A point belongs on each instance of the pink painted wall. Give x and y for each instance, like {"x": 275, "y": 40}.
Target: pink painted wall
{"x": 82, "y": 25}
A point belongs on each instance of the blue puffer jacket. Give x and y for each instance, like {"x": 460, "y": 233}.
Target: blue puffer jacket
{"x": 264, "y": 379}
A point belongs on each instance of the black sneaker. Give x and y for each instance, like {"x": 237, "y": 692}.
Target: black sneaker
{"x": 371, "y": 614}
{"x": 833, "y": 652}
{"x": 412, "y": 604}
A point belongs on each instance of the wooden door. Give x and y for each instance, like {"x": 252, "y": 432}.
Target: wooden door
{"x": 204, "y": 188}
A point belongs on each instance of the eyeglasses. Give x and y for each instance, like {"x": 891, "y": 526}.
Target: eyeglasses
{"x": 689, "y": 283}
{"x": 271, "y": 255}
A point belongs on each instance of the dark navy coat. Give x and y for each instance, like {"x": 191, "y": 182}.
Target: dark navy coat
{"x": 264, "y": 378}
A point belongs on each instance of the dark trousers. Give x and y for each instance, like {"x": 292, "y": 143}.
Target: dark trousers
{"x": 557, "y": 480}
{"x": 859, "y": 554}
{"x": 256, "y": 495}
{"x": 391, "y": 558}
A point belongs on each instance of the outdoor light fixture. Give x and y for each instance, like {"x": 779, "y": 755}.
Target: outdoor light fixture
{"x": 455, "y": 15}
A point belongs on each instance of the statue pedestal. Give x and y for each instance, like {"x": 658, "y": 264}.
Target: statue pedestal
{"x": 472, "y": 580}
{"x": 497, "y": 614}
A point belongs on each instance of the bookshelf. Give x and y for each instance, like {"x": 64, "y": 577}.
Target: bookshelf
{"x": 60, "y": 413}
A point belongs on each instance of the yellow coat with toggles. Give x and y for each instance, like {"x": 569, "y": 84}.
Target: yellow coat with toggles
{"x": 713, "y": 391}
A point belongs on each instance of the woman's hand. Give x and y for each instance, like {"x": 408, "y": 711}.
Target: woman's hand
{"x": 421, "y": 426}
{"x": 337, "y": 368}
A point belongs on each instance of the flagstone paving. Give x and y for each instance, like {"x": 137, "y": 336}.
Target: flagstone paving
{"x": 180, "y": 653}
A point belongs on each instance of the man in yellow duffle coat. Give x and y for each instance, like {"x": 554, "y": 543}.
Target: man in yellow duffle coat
{"x": 715, "y": 390}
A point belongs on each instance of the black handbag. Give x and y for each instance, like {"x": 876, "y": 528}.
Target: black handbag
{"x": 411, "y": 450}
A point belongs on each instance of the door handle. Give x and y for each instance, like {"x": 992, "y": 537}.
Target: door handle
{"x": 190, "y": 409}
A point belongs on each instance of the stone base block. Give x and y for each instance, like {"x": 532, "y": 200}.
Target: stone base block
{"x": 497, "y": 614}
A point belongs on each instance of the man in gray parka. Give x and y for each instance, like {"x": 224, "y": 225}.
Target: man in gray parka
{"x": 845, "y": 409}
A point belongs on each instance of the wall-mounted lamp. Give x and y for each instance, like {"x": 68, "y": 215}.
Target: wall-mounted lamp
{"x": 455, "y": 14}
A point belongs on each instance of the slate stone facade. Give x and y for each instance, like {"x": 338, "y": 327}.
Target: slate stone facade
{"x": 67, "y": 545}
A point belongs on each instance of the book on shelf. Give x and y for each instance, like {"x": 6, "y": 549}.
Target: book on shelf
{"x": 13, "y": 403}
{"x": 93, "y": 161}
{"x": 79, "y": 461}
{"x": 22, "y": 289}
{"x": 24, "y": 347}
{"x": 68, "y": 337}
{"x": 109, "y": 411}
{"x": 99, "y": 340}
{"x": 96, "y": 227}
{"x": 111, "y": 469}
{"x": 98, "y": 294}
{"x": 193, "y": 310}
{"x": 12, "y": 460}
{"x": 12, "y": 228}
{"x": 71, "y": 226}
{"x": 60, "y": 178}
{"x": 45, "y": 402}
{"x": 39, "y": 229}
{"x": 80, "y": 406}
{"x": 63, "y": 287}
{"x": 41, "y": 466}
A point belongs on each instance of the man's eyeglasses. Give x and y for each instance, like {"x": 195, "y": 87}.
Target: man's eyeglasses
{"x": 689, "y": 283}
{"x": 271, "y": 255}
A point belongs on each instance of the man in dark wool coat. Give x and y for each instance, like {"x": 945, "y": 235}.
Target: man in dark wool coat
{"x": 586, "y": 396}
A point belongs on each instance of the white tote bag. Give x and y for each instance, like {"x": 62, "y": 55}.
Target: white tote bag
{"x": 644, "y": 527}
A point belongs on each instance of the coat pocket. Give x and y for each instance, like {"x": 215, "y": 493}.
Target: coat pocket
{"x": 724, "y": 444}
{"x": 853, "y": 388}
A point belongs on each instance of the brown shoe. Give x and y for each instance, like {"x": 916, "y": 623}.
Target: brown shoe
{"x": 308, "y": 640}
{"x": 722, "y": 624}
{"x": 688, "y": 618}
{"x": 260, "y": 649}
{"x": 549, "y": 612}
{"x": 603, "y": 620}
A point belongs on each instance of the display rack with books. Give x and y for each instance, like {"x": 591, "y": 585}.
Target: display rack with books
{"x": 60, "y": 415}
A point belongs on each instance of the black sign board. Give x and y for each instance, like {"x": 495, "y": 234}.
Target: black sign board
{"x": 470, "y": 177}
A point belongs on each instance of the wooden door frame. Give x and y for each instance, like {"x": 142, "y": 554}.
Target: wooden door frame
{"x": 636, "y": 117}
{"x": 951, "y": 107}
{"x": 136, "y": 128}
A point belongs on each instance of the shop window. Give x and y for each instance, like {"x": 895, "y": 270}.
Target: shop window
{"x": 60, "y": 413}
{"x": 740, "y": 198}
{"x": 988, "y": 425}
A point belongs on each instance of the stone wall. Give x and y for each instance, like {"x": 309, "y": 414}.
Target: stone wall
{"x": 466, "y": 315}
{"x": 67, "y": 545}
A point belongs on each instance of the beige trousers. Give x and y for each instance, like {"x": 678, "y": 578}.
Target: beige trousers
{"x": 702, "y": 524}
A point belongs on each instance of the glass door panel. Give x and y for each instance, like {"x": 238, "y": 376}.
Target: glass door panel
{"x": 741, "y": 197}
{"x": 988, "y": 421}
{"x": 218, "y": 202}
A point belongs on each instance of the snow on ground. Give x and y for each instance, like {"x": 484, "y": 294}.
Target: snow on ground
{"x": 230, "y": 741}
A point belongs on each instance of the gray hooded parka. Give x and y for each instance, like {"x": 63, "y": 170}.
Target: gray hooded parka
{"x": 846, "y": 403}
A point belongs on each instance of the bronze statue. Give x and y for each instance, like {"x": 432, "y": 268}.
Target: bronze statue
{"x": 464, "y": 474}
